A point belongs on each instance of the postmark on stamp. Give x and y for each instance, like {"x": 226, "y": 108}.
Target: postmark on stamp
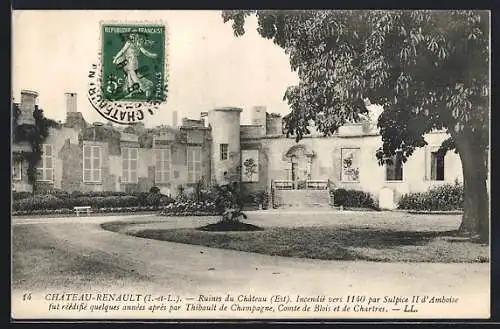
{"x": 130, "y": 79}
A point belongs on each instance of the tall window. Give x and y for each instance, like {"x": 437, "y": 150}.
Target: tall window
{"x": 437, "y": 166}
{"x": 223, "y": 151}
{"x": 45, "y": 171}
{"x": 17, "y": 167}
{"x": 129, "y": 165}
{"x": 92, "y": 163}
{"x": 162, "y": 173}
{"x": 194, "y": 164}
{"x": 394, "y": 169}
{"x": 350, "y": 164}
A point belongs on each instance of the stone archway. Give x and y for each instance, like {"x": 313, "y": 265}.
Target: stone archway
{"x": 299, "y": 157}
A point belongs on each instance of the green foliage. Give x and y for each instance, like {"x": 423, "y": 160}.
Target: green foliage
{"x": 154, "y": 190}
{"x": 146, "y": 138}
{"x": 97, "y": 200}
{"x": 439, "y": 198}
{"x": 255, "y": 198}
{"x": 20, "y": 195}
{"x": 233, "y": 215}
{"x": 76, "y": 194}
{"x": 198, "y": 191}
{"x": 353, "y": 199}
{"x": 428, "y": 69}
{"x": 181, "y": 194}
{"x": 262, "y": 198}
{"x": 190, "y": 208}
{"x": 153, "y": 199}
{"x": 38, "y": 202}
{"x": 34, "y": 135}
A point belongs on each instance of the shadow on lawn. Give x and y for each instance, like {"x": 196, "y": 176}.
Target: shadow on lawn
{"x": 333, "y": 243}
{"x": 381, "y": 239}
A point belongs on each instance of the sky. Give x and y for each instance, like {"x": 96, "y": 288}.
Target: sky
{"x": 53, "y": 52}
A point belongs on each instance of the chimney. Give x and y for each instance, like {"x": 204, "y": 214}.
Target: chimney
{"x": 259, "y": 117}
{"x": 174, "y": 119}
{"x": 71, "y": 102}
{"x": 27, "y": 107}
{"x": 74, "y": 119}
{"x": 204, "y": 119}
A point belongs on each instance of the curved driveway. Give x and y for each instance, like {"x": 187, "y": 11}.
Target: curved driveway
{"x": 150, "y": 265}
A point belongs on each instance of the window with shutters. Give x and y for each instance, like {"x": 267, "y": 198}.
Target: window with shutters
{"x": 194, "y": 164}
{"x": 162, "y": 171}
{"x": 17, "y": 167}
{"x": 45, "y": 169}
{"x": 394, "y": 169}
{"x": 129, "y": 165}
{"x": 92, "y": 159}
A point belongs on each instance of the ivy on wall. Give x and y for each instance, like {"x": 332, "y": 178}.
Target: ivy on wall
{"x": 34, "y": 135}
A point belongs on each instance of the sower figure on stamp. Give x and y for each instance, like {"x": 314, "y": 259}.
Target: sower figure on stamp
{"x": 128, "y": 57}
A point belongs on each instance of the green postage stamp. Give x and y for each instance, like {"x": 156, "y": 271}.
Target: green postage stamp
{"x": 130, "y": 79}
{"x": 133, "y": 62}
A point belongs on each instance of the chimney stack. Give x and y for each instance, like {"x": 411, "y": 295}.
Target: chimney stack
{"x": 259, "y": 115}
{"x": 174, "y": 119}
{"x": 74, "y": 119}
{"x": 27, "y": 107}
{"x": 71, "y": 102}
{"x": 204, "y": 118}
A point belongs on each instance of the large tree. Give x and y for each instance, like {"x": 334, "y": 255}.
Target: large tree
{"x": 428, "y": 69}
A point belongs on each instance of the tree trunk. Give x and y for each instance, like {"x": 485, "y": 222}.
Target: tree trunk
{"x": 475, "y": 220}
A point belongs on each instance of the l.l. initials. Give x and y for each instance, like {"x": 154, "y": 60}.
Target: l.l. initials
{"x": 410, "y": 308}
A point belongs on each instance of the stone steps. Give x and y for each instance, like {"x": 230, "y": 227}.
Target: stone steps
{"x": 301, "y": 199}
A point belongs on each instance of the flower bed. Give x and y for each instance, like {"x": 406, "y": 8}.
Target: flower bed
{"x": 190, "y": 208}
{"x": 211, "y": 203}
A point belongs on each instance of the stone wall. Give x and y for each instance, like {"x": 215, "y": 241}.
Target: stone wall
{"x": 326, "y": 164}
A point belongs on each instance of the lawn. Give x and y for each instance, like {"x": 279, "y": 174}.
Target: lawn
{"x": 42, "y": 261}
{"x": 332, "y": 243}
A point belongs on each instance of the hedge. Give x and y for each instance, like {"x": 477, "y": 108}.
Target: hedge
{"x": 61, "y": 201}
{"x": 353, "y": 199}
{"x": 67, "y": 211}
{"x": 446, "y": 197}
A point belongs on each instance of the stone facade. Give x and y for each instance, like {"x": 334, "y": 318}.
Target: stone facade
{"x": 209, "y": 150}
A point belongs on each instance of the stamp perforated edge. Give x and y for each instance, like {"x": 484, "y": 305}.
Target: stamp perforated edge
{"x": 97, "y": 67}
{"x": 166, "y": 52}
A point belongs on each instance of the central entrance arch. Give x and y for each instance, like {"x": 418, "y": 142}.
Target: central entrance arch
{"x": 299, "y": 157}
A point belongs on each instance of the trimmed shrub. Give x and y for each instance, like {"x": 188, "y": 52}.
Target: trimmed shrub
{"x": 254, "y": 199}
{"x": 38, "y": 202}
{"x": 154, "y": 190}
{"x": 262, "y": 197}
{"x": 21, "y": 195}
{"x": 353, "y": 199}
{"x": 98, "y": 194}
{"x": 100, "y": 200}
{"x": 446, "y": 197}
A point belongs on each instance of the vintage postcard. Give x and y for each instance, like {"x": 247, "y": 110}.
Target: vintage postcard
{"x": 225, "y": 164}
